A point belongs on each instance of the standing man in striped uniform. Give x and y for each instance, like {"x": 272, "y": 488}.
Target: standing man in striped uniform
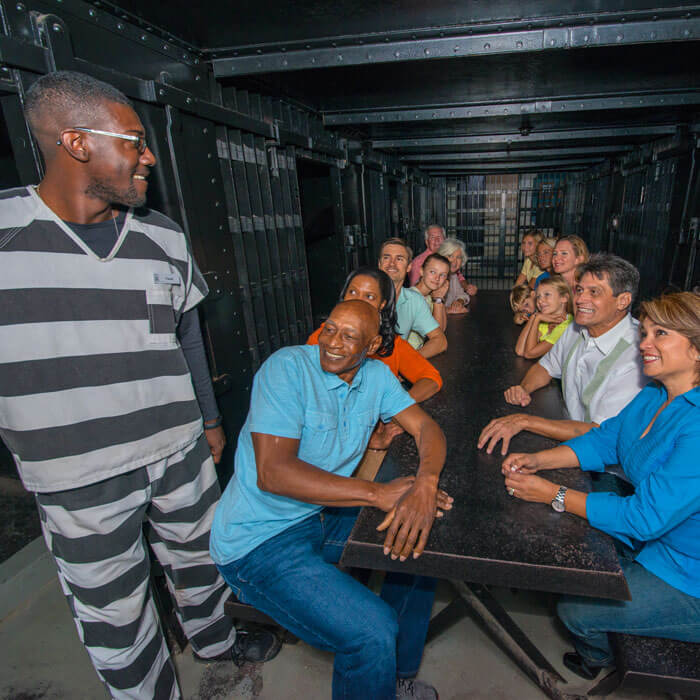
{"x": 104, "y": 386}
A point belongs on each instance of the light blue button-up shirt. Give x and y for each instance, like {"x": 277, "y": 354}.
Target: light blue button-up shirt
{"x": 413, "y": 314}
{"x": 294, "y": 398}
{"x": 664, "y": 467}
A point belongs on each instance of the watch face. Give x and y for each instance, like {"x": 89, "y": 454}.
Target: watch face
{"x": 558, "y": 506}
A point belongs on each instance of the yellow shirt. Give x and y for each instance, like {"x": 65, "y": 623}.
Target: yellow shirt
{"x": 556, "y": 332}
{"x": 530, "y": 270}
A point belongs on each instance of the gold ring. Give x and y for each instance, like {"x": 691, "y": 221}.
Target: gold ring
{"x": 511, "y": 491}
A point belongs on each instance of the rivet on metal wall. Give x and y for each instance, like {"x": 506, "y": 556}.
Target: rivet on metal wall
{"x": 205, "y": 130}
{"x": 92, "y": 12}
{"x": 120, "y": 26}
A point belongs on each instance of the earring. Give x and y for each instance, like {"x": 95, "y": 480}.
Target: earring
{"x": 58, "y": 143}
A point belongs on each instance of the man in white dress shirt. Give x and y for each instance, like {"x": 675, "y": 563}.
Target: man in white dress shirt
{"x": 597, "y": 358}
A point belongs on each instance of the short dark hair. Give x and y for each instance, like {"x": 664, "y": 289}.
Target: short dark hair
{"x": 387, "y": 315}
{"x": 66, "y": 96}
{"x": 397, "y": 241}
{"x": 622, "y": 276}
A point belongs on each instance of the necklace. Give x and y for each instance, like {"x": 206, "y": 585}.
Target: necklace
{"x": 114, "y": 222}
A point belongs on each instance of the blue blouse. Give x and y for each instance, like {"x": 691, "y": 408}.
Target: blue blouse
{"x": 664, "y": 466}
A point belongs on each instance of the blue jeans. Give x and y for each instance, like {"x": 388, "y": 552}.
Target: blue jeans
{"x": 291, "y": 578}
{"x": 657, "y": 609}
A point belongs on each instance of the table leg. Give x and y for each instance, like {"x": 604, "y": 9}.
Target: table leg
{"x": 506, "y": 633}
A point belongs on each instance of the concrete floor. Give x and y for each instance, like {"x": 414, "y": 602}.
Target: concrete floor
{"x": 42, "y": 658}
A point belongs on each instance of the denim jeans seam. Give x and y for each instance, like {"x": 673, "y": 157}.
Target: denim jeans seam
{"x": 289, "y": 615}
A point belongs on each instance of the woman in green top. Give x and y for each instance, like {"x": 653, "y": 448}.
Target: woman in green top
{"x": 554, "y": 313}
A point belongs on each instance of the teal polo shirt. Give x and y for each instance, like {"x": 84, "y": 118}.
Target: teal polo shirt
{"x": 293, "y": 397}
{"x": 413, "y": 314}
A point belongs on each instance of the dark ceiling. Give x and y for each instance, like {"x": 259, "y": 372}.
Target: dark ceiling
{"x": 536, "y": 75}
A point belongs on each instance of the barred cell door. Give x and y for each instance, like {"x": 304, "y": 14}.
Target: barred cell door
{"x": 482, "y": 211}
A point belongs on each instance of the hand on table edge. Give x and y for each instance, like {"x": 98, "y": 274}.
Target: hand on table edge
{"x": 409, "y": 522}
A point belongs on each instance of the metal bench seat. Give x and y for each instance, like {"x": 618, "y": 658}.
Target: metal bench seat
{"x": 653, "y": 664}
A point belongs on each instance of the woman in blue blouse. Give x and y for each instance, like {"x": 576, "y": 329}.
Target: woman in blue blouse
{"x": 656, "y": 440}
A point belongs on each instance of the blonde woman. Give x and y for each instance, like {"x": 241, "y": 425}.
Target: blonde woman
{"x": 459, "y": 291}
{"x": 569, "y": 252}
{"x": 555, "y": 307}
{"x": 529, "y": 270}
{"x": 656, "y": 441}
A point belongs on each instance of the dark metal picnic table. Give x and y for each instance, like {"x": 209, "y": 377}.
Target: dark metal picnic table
{"x": 490, "y": 538}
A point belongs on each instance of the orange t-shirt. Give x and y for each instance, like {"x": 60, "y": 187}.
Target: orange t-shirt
{"x": 404, "y": 361}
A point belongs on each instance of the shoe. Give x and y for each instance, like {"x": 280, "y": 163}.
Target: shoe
{"x": 407, "y": 689}
{"x": 576, "y": 663}
{"x": 254, "y": 646}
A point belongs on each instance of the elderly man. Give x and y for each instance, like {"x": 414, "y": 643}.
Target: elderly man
{"x": 412, "y": 313}
{"x": 596, "y": 358}
{"x": 285, "y": 515}
{"x": 104, "y": 382}
{"x": 434, "y": 236}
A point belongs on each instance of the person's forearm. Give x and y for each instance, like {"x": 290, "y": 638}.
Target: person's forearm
{"x": 434, "y": 346}
{"x": 301, "y": 481}
{"x": 423, "y": 389}
{"x": 522, "y": 338}
{"x": 190, "y": 336}
{"x": 440, "y": 315}
{"x": 520, "y": 279}
{"x": 536, "y": 377}
{"x": 432, "y": 449}
{"x": 562, "y": 457}
{"x": 560, "y": 430}
{"x": 531, "y": 339}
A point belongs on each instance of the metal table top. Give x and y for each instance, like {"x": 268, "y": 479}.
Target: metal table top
{"x": 489, "y": 537}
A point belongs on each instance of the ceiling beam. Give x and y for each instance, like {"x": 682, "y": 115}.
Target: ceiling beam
{"x": 532, "y": 137}
{"x": 508, "y": 109}
{"x": 505, "y": 155}
{"x": 369, "y": 51}
{"x": 513, "y": 165}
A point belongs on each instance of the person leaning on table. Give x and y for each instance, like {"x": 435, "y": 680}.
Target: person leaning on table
{"x": 656, "y": 440}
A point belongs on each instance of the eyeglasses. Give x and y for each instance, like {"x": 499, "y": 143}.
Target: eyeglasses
{"x": 140, "y": 141}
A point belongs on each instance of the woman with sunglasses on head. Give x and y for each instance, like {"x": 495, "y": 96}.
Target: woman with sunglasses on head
{"x": 569, "y": 251}
{"x": 656, "y": 440}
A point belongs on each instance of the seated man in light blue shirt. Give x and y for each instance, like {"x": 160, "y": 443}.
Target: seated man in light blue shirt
{"x": 412, "y": 313}
{"x": 286, "y": 513}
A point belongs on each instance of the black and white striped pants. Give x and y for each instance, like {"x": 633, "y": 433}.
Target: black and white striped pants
{"x": 95, "y": 534}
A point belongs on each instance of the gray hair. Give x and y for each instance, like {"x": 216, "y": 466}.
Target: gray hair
{"x": 429, "y": 226}
{"x": 622, "y": 276}
{"x": 450, "y": 245}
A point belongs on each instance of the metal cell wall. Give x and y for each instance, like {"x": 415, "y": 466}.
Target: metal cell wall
{"x": 227, "y": 171}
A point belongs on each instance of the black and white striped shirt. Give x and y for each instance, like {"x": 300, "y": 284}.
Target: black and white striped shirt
{"x": 93, "y": 381}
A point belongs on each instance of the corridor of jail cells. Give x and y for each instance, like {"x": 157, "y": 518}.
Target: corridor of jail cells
{"x": 218, "y": 220}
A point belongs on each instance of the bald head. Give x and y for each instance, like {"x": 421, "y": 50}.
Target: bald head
{"x": 362, "y": 315}
{"x": 64, "y": 99}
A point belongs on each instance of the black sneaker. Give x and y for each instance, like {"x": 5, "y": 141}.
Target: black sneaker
{"x": 411, "y": 689}
{"x": 254, "y": 646}
{"x": 576, "y": 663}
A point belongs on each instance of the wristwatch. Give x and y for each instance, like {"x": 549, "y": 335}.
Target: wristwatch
{"x": 438, "y": 300}
{"x": 558, "y": 502}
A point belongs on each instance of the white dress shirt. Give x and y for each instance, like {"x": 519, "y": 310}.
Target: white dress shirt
{"x": 578, "y": 357}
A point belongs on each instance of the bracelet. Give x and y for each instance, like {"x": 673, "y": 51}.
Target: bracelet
{"x": 378, "y": 449}
{"x": 215, "y": 423}
{"x": 439, "y": 300}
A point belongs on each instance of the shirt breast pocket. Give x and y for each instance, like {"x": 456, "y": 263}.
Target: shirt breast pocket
{"x": 318, "y": 438}
{"x": 161, "y": 316}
